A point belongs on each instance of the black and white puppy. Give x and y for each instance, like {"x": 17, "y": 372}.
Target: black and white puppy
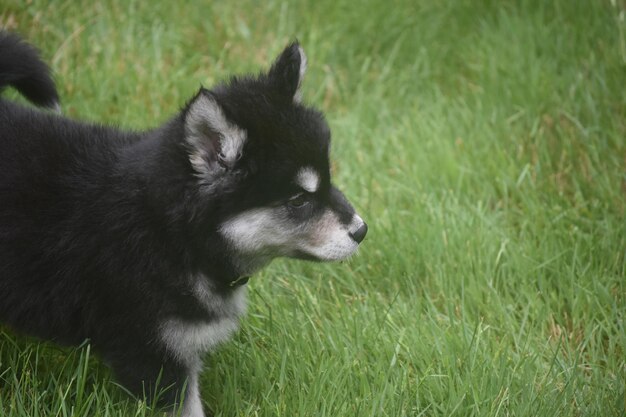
{"x": 142, "y": 242}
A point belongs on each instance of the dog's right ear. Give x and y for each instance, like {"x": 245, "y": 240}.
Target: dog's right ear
{"x": 214, "y": 142}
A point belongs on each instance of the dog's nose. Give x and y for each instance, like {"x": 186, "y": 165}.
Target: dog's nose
{"x": 360, "y": 233}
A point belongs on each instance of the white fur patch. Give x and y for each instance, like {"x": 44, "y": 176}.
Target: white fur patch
{"x": 199, "y": 162}
{"x": 186, "y": 340}
{"x": 204, "y": 114}
{"x": 256, "y": 229}
{"x": 269, "y": 232}
{"x": 308, "y": 179}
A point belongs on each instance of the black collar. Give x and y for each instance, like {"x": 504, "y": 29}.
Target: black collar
{"x": 239, "y": 282}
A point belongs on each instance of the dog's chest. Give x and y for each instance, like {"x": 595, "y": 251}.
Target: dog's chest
{"x": 186, "y": 340}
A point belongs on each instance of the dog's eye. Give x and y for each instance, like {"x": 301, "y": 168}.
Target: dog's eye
{"x": 298, "y": 200}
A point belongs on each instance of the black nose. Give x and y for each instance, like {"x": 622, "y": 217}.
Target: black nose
{"x": 360, "y": 233}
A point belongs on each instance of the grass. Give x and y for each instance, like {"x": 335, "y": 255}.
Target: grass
{"x": 483, "y": 142}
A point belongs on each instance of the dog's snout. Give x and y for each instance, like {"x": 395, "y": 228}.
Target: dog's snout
{"x": 360, "y": 233}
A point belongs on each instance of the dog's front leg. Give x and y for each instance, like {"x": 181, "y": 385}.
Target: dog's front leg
{"x": 163, "y": 379}
{"x": 192, "y": 405}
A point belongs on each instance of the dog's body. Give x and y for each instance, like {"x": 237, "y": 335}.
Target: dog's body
{"x": 142, "y": 242}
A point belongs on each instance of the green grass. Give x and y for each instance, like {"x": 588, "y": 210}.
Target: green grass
{"x": 484, "y": 142}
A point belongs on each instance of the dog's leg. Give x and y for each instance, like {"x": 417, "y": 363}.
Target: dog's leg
{"x": 192, "y": 405}
{"x": 161, "y": 379}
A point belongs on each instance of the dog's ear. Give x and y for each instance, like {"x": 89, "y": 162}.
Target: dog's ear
{"x": 215, "y": 143}
{"x": 288, "y": 71}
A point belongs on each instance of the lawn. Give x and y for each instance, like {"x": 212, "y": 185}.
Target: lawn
{"x": 484, "y": 142}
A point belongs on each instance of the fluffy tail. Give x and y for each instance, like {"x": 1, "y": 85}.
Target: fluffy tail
{"x": 22, "y": 68}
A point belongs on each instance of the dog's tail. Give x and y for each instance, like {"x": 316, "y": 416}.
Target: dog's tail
{"x": 22, "y": 68}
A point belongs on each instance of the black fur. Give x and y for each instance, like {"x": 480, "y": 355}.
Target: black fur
{"x": 101, "y": 229}
{"x": 22, "y": 68}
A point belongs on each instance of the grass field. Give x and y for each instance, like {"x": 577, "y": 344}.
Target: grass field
{"x": 484, "y": 142}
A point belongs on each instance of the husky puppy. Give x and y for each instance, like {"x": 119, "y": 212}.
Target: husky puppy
{"x": 143, "y": 242}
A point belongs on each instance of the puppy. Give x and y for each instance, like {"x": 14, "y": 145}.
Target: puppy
{"x": 143, "y": 242}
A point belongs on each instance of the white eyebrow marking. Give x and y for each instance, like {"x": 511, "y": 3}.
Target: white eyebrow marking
{"x": 308, "y": 179}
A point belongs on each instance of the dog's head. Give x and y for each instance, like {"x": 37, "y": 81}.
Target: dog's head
{"x": 261, "y": 157}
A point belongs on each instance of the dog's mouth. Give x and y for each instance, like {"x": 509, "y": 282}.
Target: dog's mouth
{"x": 304, "y": 256}
{"x": 334, "y": 253}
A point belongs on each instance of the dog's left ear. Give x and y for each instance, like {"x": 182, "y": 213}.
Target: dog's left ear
{"x": 215, "y": 143}
{"x": 288, "y": 71}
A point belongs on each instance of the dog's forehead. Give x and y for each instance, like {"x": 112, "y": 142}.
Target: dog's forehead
{"x": 296, "y": 147}
{"x": 302, "y": 132}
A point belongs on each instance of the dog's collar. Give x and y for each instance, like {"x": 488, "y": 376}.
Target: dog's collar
{"x": 239, "y": 281}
